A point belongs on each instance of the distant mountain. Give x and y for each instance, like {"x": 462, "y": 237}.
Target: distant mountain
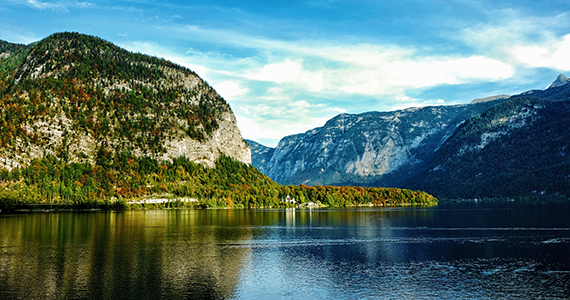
{"x": 491, "y": 98}
{"x": 374, "y": 148}
{"x": 515, "y": 146}
{"x": 560, "y": 81}
{"x": 260, "y": 154}
{"x": 558, "y": 90}
{"x": 73, "y": 96}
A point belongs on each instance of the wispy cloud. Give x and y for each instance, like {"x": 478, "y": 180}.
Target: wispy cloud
{"x": 553, "y": 54}
{"x": 276, "y": 90}
{"x": 231, "y": 90}
{"x": 61, "y": 6}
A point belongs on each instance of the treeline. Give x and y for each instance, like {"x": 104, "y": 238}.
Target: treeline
{"x": 121, "y": 177}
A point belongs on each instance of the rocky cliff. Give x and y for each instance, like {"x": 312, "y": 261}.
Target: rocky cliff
{"x": 374, "y": 148}
{"x": 260, "y": 154}
{"x": 560, "y": 81}
{"x": 74, "y": 96}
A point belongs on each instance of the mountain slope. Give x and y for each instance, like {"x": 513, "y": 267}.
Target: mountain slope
{"x": 560, "y": 81}
{"x": 73, "y": 96}
{"x": 260, "y": 154}
{"x": 374, "y": 148}
{"x": 520, "y": 147}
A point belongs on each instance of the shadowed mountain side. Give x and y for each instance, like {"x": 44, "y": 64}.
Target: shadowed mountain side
{"x": 520, "y": 147}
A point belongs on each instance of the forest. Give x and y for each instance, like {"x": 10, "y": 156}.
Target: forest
{"x": 116, "y": 178}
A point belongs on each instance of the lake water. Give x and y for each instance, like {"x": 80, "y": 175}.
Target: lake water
{"x": 454, "y": 251}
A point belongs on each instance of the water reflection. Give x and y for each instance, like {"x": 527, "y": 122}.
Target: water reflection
{"x": 148, "y": 254}
{"x": 458, "y": 252}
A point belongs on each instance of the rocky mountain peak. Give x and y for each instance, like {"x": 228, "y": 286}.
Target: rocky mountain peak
{"x": 560, "y": 80}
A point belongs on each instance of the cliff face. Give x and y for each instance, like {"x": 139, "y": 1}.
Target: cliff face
{"x": 73, "y": 96}
{"x": 374, "y": 148}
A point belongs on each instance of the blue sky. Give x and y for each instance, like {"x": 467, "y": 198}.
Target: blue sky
{"x": 288, "y": 66}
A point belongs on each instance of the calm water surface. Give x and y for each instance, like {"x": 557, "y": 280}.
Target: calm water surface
{"x": 454, "y": 251}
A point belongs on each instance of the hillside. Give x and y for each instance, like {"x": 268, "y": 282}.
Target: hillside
{"x": 518, "y": 148}
{"x": 73, "y": 95}
{"x": 260, "y": 154}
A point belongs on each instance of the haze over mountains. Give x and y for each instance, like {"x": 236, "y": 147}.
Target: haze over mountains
{"x": 494, "y": 147}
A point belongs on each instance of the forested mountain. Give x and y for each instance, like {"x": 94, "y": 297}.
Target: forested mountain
{"x": 73, "y": 96}
{"x": 85, "y": 123}
{"x": 519, "y": 148}
{"x": 510, "y": 147}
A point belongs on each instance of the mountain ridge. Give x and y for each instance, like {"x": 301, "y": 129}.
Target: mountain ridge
{"x": 560, "y": 80}
{"x": 408, "y": 148}
{"x": 517, "y": 148}
{"x": 341, "y": 149}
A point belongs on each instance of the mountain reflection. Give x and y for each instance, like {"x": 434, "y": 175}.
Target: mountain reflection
{"x": 138, "y": 254}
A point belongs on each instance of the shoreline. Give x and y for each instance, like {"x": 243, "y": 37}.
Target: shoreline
{"x": 138, "y": 205}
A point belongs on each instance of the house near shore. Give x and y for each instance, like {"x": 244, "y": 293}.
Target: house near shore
{"x": 288, "y": 199}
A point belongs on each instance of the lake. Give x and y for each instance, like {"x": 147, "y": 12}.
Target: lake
{"x": 453, "y": 251}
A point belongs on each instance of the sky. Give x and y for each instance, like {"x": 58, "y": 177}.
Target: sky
{"x": 286, "y": 67}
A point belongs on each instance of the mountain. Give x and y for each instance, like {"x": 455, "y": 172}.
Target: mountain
{"x": 519, "y": 148}
{"x": 373, "y": 148}
{"x": 513, "y": 146}
{"x": 260, "y": 154}
{"x": 75, "y": 96}
{"x": 491, "y": 98}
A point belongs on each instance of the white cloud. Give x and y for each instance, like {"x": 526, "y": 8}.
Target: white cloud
{"x": 285, "y": 71}
{"x": 425, "y": 72}
{"x": 375, "y": 71}
{"x": 523, "y": 42}
{"x": 554, "y": 54}
{"x": 231, "y": 90}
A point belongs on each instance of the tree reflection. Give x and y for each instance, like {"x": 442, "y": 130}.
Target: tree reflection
{"x": 138, "y": 254}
